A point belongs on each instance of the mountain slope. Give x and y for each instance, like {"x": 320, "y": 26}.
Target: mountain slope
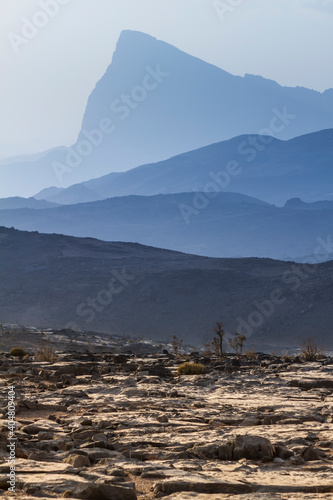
{"x": 17, "y": 202}
{"x": 119, "y": 288}
{"x": 274, "y": 171}
{"x": 230, "y": 225}
{"x": 155, "y": 101}
{"x": 297, "y": 203}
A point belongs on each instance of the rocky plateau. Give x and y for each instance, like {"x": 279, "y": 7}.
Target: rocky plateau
{"x": 99, "y": 422}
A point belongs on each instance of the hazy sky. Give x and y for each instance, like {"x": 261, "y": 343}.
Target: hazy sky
{"x": 46, "y": 80}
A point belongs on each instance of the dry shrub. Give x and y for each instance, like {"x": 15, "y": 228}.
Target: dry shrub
{"x": 191, "y": 369}
{"x": 286, "y": 356}
{"x": 177, "y": 345}
{"x": 18, "y": 352}
{"x": 237, "y": 343}
{"x": 46, "y": 353}
{"x": 251, "y": 354}
{"x": 208, "y": 352}
{"x": 311, "y": 351}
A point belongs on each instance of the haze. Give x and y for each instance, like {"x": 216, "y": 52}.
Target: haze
{"x": 45, "y": 85}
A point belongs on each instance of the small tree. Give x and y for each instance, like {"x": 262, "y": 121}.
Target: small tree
{"x": 218, "y": 340}
{"x": 208, "y": 351}
{"x": 176, "y": 345}
{"x": 237, "y": 343}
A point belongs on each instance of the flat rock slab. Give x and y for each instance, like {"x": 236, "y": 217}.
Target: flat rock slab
{"x": 185, "y": 436}
{"x": 34, "y": 467}
{"x": 200, "y": 484}
{"x": 307, "y": 479}
{"x": 251, "y": 496}
{"x": 55, "y": 483}
{"x": 95, "y": 491}
{"x": 43, "y": 425}
{"x": 22, "y": 496}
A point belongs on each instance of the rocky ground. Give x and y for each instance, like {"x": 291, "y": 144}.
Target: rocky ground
{"x": 115, "y": 425}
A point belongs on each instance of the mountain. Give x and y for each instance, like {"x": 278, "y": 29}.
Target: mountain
{"x": 230, "y": 225}
{"x": 34, "y": 171}
{"x": 16, "y": 202}
{"x": 297, "y": 203}
{"x": 154, "y": 101}
{"x": 271, "y": 170}
{"x": 129, "y": 289}
{"x": 47, "y": 192}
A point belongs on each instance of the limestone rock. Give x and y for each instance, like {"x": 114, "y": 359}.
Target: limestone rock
{"x": 310, "y": 454}
{"x": 78, "y": 461}
{"x": 252, "y": 448}
{"x": 103, "y": 492}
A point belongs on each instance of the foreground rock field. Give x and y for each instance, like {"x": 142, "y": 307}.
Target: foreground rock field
{"x": 125, "y": 426}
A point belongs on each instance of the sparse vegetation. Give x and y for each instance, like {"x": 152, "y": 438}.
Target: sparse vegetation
{"x": 90, "y": 345}
{"x": 251, "y": 354}
{"x": 218, "y": 340}
{"x": 208, "y": 351}
{"x": 237, "y": 343}
{"x": 191, "y": 369}
{"x": 177, "y": 344}
{"x": 286, "y": 357}
{"x": 311, "y": 351}
{"x": 46, "y": 353}
{"x": 17, "y": 352}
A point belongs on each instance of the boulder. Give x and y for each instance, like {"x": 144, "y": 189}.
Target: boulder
{"x": 159, "y": 371}
{"x": 252, "y": 448}
{"x": 310, "y": 454}
{"x": 283, "y": 452}
{"x": 250, "y": 422}
{"x": 78, "y": 461}
{"x": 208, "y": 451}
{"x": 224, "y": 452}
{"x": 92, "y": 491}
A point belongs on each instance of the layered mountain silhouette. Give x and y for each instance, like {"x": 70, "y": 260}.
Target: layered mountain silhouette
{"x": 229, "y": 225}
{"x": 18, "y": 202}
{"x": 252, "y": 165}
{"x": 155, "y": 101}
{"x": 129, "y": 289}
{"x": 297, "y": 203}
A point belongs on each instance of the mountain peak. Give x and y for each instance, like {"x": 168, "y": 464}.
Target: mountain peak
{"x": 155, "y": 101}
{"x": 136, "y": 45}
{"x": 130, "y": 40}
{"x": 130, "y": 35}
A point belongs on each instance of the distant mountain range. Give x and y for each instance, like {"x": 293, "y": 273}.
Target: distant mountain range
{"x": 154, "y": 102}
{"x": 129, "y": 289}
{"x": 18, "y": 202}
{"x": 229, "y": 225}
{"x": 273, "y": 171}
{"x": 297, "y": 203}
